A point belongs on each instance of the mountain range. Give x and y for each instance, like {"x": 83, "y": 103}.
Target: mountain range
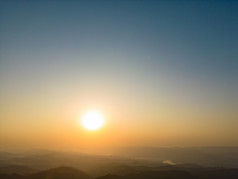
{"x": 45, "y": 164}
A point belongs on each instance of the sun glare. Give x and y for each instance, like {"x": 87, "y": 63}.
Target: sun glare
{"x": 92, "y": 120}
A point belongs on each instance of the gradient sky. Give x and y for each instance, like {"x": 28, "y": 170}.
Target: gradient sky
{"x": 164, "y": 73}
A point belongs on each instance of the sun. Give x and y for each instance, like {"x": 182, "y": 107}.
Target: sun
{"x": 92, "y": 120}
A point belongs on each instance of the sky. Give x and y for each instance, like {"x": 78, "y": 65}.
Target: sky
{"x": 163, "y": 73}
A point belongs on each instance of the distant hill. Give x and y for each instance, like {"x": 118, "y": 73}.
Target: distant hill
{"x": 12, "y": 176}
{"x": 173, "y": 174}
{"x": 205, "y": 156}
{"x": 19, "y": 169}
{"x": 59, "y": 173}
{"x": 115, "y": 169}
{"x": 44, "y": 164}
{"x": 54, "y": 173}
{"x": 154, "y": 175}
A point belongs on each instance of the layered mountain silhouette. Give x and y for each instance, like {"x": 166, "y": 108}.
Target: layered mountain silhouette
{"x": 54, "y": 173}
{"x": 189, "y": 173}
{"x": 153, "y": 175}
{"x": 20, "y": 169}
{"x": 60, "y": 173}
{"x": 45, "y": 165}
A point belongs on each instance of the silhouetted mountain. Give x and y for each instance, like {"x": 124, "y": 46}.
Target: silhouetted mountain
{"x": 54, "y": 173}
{"x": 218, "y": 174}
{"x": 154, "y": 175}
{"x": 173, "y": 174}
{"x": 22, "y": 165}
{"x": 12, "y": 176}
{"x": 60, "y": 173}
{"x": 113, "y": 169}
